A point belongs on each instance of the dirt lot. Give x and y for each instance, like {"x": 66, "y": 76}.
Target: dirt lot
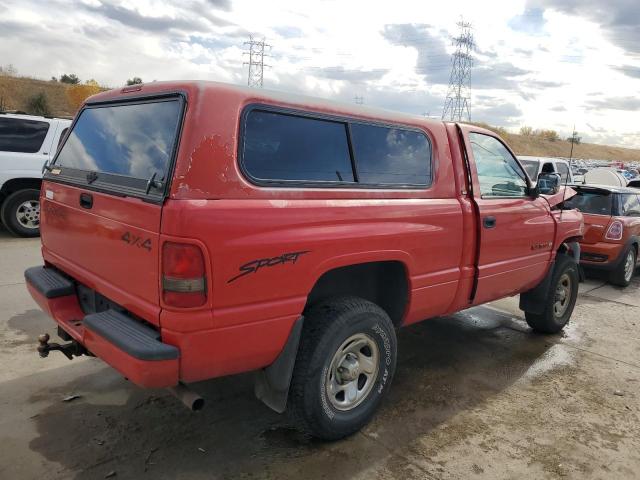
{"x": 476, "y": 395}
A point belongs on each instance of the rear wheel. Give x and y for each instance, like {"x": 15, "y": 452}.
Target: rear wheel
{"x": 20, "y": 213}
{"x": 623, "y": 274}
{"x": 561, "y": 298}
{"x": 345, "y": 364}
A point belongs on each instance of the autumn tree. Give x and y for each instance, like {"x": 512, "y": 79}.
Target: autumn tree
{"x": 77, "y": 94}
{"x": 550, "y": 135}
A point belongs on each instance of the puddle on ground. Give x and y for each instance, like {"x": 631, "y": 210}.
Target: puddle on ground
{"x": 445, "y": 366}
{"x": 557, "y": 356}
{"x": 29, "y": 325}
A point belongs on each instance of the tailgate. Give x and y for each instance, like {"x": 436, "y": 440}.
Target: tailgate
{"x": 102, "y": 199}
{"x": 111, "y": 247}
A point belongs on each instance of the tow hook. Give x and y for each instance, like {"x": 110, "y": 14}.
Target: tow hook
{"x": 69, "y": 350}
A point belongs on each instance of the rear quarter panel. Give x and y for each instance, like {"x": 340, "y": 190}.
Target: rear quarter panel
{"x": 241, "y": 224}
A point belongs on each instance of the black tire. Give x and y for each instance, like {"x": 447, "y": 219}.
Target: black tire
{"x": 620, "y": 276}
{"x": 328, "y": 327}
{"x": 9, "y": 211}
{"x": 552, "y": 320}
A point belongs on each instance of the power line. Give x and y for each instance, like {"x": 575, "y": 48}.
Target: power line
{"x": 456, "y": 105}
{"x": 256, "y": 52}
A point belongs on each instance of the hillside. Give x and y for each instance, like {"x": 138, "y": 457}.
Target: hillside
{"x": 538, "y": 147}
{"x": 16, "y": 91}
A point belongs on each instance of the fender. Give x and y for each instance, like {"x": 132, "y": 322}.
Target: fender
{"x": 272, "y": 383}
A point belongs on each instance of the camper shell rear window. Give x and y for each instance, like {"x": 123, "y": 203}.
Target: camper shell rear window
{"x": 125, "y": 148}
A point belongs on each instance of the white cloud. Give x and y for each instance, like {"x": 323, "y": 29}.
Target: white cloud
{"x": 542, "y": 63}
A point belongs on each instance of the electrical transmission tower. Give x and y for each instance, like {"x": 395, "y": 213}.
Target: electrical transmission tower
{"x": 456, "y": 105}
{"x": 256, "y": 64}
{"x": 359, "y": 99}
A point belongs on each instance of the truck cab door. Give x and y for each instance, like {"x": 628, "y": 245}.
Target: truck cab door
{"x": 516, "y": 230}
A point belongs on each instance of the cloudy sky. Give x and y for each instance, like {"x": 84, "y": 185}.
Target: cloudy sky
{"x": 542, "y": 63}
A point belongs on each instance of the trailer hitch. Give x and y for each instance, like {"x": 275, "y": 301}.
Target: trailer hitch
{"x": 69, "y": 350}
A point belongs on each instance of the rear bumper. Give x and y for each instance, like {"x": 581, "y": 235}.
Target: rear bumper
{"x": 601, "y": 255}
{"x": 129, "y": 346}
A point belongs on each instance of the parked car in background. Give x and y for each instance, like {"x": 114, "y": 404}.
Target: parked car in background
{"x": 26, "y": 143}
{"x": 537, "y": 165}
{"x": 612, "y": 229}
{"x": 632, "y": 172}
{"x": 256, "y": 230}
{"x": 604, "y": 176}
{"x": 634, "y": 183}
{"x": 626, "y": 174}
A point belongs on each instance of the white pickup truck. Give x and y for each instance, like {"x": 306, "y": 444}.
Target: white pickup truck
{"x": 26, "y": 143}
{"x": 537, "y": 165}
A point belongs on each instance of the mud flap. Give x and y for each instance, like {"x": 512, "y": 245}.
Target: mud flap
{"x": 272, "y": 382}
{"x": 575, "y": 251}
{"x": 534, "y": 300}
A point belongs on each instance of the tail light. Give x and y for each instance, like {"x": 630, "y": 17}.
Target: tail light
{"x": 614, "y": 232}
{"x": 184, "y": 282}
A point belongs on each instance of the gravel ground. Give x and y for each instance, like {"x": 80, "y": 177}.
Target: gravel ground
{"x": 476, "y": 395}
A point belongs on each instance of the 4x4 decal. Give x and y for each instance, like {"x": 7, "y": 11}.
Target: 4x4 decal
{"x": 254, "y": 265}
{"x": 132, "y": 239}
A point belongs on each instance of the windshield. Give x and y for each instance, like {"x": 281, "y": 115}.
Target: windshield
{"x": 134, "y": 140}
{"x": 531, "y": 167}
{"x": 594, "y": 202}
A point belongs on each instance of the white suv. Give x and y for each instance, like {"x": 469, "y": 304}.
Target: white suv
{"x": 26, "y": 143}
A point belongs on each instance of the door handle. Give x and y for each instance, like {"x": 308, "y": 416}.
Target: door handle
{"x": 86, "y": 200}
{"x": 489, "y": 222}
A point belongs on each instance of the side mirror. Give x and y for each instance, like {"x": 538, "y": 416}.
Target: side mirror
{"x": 548, "y": 183}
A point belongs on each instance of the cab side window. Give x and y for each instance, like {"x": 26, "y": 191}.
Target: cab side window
{"x": 499, "y": 173}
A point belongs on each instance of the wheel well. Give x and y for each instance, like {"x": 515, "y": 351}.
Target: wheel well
{"x": 383, "y": 283}
{"x": 564, "y": 246}
{"x": 16, "y": 184}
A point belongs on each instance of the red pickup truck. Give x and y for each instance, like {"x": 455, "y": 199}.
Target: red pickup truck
{"x": 192, "y": 230}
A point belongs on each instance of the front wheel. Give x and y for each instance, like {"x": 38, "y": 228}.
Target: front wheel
{"x": 560, "y": 300}
{"x": 20, "y": 213}
{"x": 345, "y": 364}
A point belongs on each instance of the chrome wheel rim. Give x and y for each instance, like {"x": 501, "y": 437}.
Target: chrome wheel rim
{"x": 352, "y": 372}
{"x": 562, "y": 296}
{"x": 629, "y": 266}
{"x": 28, "y": 214}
